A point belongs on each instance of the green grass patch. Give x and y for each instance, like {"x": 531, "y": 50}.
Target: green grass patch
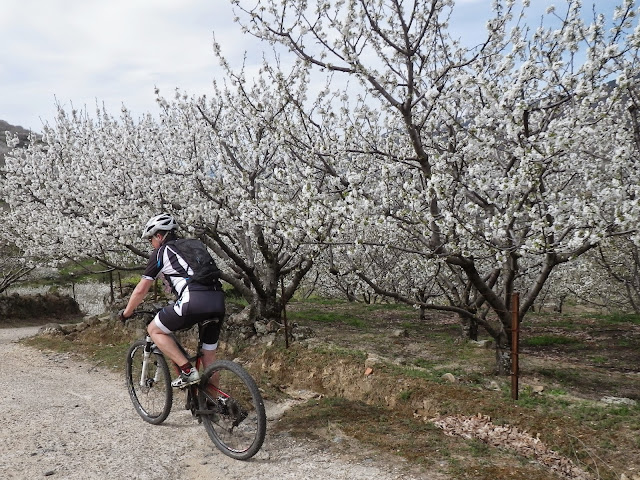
{"x": 548, "y": 341}
{"x": 561, "y": 375}
{"x": 108, "y": 355}
{"x": 241, "y": 302}
{"x": 405, "y": 395}
{"x": 415, "y": 373}
{"x": 333, "y": 351}
{"x": 619, "y": 318}
{"x": 539, "y": 321}
{"x": 423, "y": 363}
{"x": 327, "y": 317}
{"x": 391, "y": 307}
{"x": 315, "y": 300}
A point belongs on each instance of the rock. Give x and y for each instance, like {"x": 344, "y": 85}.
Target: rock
{"x": 493, "y": 385}
{"x": 426, "y": 409}
{"x": 92, "y": 321}
{"x": 261, "y": 328}
{"x": 246, "y": 333}
{"x": 449, "y": 377}
{"x": 537, "y": 389}
{"x": 619, "y": 401}
{"x": 372, "y": 360}
{"x": 400, "y": 332}
{"x": 68, "y": 329}
{"x": 481, "y": 343}
{"x": 81, "y": 326}
{"x": 273, "y": 326}
{"x": 241, "y": 318}
{"x": 269, "y": 339}
{"x": 51, "y": 329}
{"x": 301, "y": 333}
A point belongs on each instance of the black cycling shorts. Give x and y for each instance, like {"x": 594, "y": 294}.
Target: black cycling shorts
{"x": 192, "y": 307}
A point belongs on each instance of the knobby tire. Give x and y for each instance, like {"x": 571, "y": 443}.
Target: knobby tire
{"x": 237, "y": 423}
{"x": 153, "y": 400}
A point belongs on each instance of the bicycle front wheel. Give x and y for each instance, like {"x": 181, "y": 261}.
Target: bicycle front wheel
{"x": 233, "y": 409}
{"x": 151, "y": 395}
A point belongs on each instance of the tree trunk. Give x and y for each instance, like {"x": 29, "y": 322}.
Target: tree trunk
{"x": 469, "y": 328}
{"x": 503, "y": 360}
{"x": 503, "y": 352}
{"x": 266, "y": 308}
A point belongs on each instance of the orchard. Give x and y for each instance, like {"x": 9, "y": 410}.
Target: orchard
{"x": 374, "y": 151}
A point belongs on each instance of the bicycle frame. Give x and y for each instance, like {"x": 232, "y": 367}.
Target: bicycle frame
{"x": 151, "y": 347}
{"x": 234, "y": 419}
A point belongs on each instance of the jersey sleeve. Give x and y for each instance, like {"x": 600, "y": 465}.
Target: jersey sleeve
{"x": 154, "y": 267}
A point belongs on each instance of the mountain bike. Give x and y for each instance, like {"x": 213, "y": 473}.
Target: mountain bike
{"x": 226, "y": 400}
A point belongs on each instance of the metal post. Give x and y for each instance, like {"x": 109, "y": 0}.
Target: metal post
{"x": 515, "y": 330}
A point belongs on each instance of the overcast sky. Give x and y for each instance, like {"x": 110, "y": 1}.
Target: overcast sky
{"x": 83, "y": 52}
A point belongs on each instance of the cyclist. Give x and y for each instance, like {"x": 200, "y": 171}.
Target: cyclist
{"x": 194, "y": 304}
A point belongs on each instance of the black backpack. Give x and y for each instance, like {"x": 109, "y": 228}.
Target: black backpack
{"x": 194, "y": 252}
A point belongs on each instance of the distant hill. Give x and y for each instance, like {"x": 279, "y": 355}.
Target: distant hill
{"x": 23, "y": 135}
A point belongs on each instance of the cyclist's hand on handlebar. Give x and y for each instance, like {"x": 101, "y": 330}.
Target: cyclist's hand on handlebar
{"x": 121, "y": 316}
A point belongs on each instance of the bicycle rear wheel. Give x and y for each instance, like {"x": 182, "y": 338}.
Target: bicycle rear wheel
{"x": 152, "y": 395}
{"x": 235, "y": 419}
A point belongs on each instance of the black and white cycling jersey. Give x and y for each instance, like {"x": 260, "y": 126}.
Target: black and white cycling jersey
{"x": 167, "y": 260}
{"x": 196, "y": 302}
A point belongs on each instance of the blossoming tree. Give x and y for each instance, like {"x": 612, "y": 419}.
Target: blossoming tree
{"x": 476, "y": 170}
{"x": 444, "y": 176}
{"x": 224, "y": 166}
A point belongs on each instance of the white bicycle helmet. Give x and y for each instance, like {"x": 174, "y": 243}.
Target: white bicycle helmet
{"x": 163, "y": 221}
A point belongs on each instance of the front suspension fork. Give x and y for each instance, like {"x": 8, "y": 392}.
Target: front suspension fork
{"x": 146, "y": 359}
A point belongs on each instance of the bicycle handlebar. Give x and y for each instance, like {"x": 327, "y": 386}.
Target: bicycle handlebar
{"x": 142, "y": 312}
{"x": 138, "y": 312}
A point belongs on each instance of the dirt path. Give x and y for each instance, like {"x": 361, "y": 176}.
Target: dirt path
{"x": 66, "y": 419}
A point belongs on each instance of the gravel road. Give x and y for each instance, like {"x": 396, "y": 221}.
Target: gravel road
{"x": 66, "y": 419}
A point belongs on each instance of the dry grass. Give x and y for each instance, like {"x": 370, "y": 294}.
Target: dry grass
{"x": 391, "y": 409}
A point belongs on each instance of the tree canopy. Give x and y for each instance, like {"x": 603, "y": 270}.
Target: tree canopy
{"x": 439, "y": 174}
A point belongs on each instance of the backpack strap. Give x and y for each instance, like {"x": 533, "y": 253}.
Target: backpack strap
{"x": 172, "y": 243}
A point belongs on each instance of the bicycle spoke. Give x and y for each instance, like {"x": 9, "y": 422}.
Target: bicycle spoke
{"x": 237, "y": 423}
{"x": 151, "y": 394}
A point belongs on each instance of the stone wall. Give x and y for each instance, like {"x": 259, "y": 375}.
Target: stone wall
{"x": 48, "y": 305}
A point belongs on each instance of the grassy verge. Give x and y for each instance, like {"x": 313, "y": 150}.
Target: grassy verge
{"x": 105, "y": 345}
{"x": 391, "y": 411}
